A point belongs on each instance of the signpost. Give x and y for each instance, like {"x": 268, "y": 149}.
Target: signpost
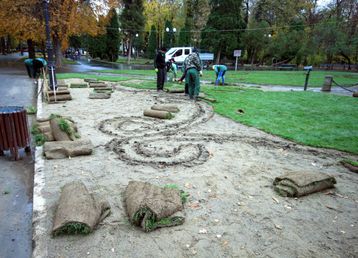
{"x": 308, "y": 69}
{"x": 237, "y": 54}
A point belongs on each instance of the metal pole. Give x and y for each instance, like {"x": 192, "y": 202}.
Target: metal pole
{"x": 306, "y": 81}
{"x": 236, "y": 64}
{"x": 50, "y": 59}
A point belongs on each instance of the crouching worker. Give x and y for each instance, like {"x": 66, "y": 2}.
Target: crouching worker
{"x": 220, "y": 71}
{"x": 172, "y": 70}
{"x": 34, "y": 66}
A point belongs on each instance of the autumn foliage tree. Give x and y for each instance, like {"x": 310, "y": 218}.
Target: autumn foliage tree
{"x": 23, "y": 19}
{"x": 112, "y": 36}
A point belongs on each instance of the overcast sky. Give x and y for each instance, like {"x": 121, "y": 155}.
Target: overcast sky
{"x": 322, "y": 3}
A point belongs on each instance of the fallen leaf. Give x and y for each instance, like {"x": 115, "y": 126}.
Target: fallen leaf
{"x": 187, "y": 185}
{"x": 194, "y": 205}
{"x": 277, "y": 201}
{"x": 225, "y": 243}
{"x": 278, "y": 227}
{"x": 203, "y": 231}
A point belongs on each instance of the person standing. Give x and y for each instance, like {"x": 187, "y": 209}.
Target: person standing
{"x": 193, "y": 68}
{"x": 160, "y": 68}
{"x": 220, "y": 71}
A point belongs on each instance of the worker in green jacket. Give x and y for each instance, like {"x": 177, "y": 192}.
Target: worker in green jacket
{"x": 220, "y": 71}
{"x": 193, "y": 69}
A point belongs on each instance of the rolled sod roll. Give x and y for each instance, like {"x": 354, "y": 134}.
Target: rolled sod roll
{"x": 97, "y": 85}
{"x": 43, "y": 119}
{"x": 175, "y": 90}
{"x": 59, "y": 92}
{"x": 208, "y": 99}
{"x": 158, "y": 114}
{"x": 355, "y": 94}
{"x": 90, "y": 80}
{"x": 78, "y": 85}
{"x": 164, "y": 107}
{"x": 102, "y": 95}
{"x": 60, "y": 97}
{"x": 45, "y": 127}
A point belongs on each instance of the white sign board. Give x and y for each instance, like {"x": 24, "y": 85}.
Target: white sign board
{"x": 237, "y": 53}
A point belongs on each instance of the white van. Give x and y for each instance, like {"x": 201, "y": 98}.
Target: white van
{"x": 180, "y": 53}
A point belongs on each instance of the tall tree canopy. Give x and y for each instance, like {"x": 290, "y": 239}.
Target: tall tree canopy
{"x": 132, "y": 21}
{"x": 152, "y": 44}
{"x": 222, "y": 31}
{"x": 24, "y": 20}
{"x": 113, "y": 39}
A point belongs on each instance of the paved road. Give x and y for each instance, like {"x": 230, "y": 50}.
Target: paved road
{"x": 16, "y": 177}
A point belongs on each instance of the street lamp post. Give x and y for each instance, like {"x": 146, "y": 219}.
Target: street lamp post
{"x": 171, "y": 34}
{"x": 49, "y": 48}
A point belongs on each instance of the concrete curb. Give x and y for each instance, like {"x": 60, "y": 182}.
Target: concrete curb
{"x": 39, "y": 203}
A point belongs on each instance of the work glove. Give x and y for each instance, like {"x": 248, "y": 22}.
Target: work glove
{"x": 201, "y": 73}
{"x": 156, "y": 70}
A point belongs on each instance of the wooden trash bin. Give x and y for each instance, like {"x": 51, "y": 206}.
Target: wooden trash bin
{"x": 14, "y": 133}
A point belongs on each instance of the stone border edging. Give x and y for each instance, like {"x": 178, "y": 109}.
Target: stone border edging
{"x": 39, "y": 203}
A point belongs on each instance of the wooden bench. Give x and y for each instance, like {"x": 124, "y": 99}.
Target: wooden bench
{"x": 287, "y": 67}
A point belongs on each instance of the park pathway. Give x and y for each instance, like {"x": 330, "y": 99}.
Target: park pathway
{"x": 16, "y": 177}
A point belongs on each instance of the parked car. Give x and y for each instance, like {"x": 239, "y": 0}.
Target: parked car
{"x": 180, "y": 53}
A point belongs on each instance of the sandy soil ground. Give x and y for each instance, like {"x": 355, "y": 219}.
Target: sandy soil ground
{"x": 227, "y": 169}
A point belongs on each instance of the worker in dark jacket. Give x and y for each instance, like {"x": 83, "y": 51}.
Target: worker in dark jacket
{"x": 160, "y": 68}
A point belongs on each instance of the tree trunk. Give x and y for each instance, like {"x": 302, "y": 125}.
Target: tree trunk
{"x": 129, "y": 49}
{"x": 253, "y": 57}
{"x": 348, "y": 59}
{"x": 8, "y": 46}
{"x": 2, "y": 45}
{"x": 218, "y": 56}
{"x": 58, "y": 52}
{"x": 30, "y": 48}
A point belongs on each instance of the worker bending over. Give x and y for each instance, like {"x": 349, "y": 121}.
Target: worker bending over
{"x": 220, "y": 71}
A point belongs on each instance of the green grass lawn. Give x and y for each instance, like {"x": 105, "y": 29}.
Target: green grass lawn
{"x": 139, "y": 60}
{"x": 289, "y": 78}
{"x": 313, "y": 119}
{"x": 130, "y": 72}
